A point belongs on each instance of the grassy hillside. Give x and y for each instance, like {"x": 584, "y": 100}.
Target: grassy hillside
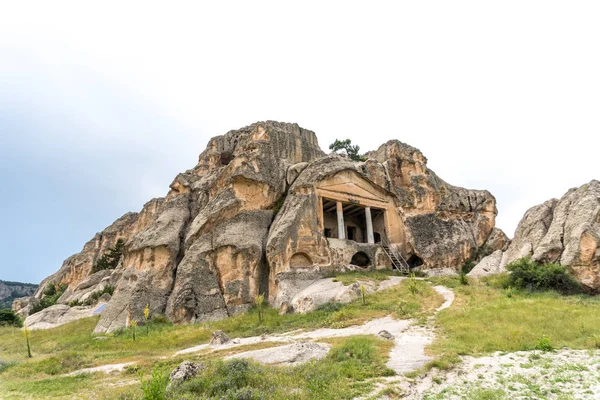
{"x": 483, "y": 319}
{"x": 9, "y": 291}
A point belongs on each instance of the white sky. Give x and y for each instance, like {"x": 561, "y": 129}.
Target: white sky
{"x": 503, "y": 96}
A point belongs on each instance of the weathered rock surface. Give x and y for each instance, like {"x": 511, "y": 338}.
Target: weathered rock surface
{"x": 250, "y": 218}
{"x": 218, "y": 338}
{"x": 291, "y": 354}
{"x": 385, "y": 335}
{"x": 59, "y": 314}
{"x": 566, "y": 231}
{"x": 184, "y": 372}
{"x": 327, "y": 290}
{"x": 489, "y": 265}
{"x": 22, "y": 306}
{"x": 10, "y": 291}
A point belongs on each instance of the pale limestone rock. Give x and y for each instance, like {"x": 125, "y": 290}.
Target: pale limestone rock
{"x": 219, "y": 338}
{"x": 57, "y": 315}
{"x": 385, "y": 335}
{"x": 531, "y": 230}
{"x": 566, "y": 231}
{"x": 22, "y": 306}
{"x": 291, "y": 354}
{"x": 184, "y": 372}
{"x": 489, "y": 265}
{"x": 213, "y": 243}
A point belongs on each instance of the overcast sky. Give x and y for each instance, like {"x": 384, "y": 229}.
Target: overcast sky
{"x": 100, "y": 107}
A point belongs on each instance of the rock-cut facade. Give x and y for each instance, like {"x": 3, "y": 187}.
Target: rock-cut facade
{"x": 266, "y": 211}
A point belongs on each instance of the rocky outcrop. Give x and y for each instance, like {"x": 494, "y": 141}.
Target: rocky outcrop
{"x": 184, "y": 372}
{"x": 60, "y": 314}
{"x": 249, "y": 219}
{"x": 489, "y": 265}
{"x": 9, "y": 291}
{"x": 328, "y": 290}
{"x": 565, "y": 231}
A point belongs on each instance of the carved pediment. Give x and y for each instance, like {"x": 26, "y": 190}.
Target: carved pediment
{"x": 353, "y": 189}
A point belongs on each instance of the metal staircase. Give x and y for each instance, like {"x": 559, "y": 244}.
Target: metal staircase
{"x": 398, "y": 262}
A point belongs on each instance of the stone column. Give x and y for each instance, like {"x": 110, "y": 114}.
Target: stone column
{"x": 340, "y": 218}
{"x": 370, "y": 237}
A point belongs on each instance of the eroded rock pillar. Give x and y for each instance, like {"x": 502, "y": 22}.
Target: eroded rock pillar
{"x": 370, "y": 237}
{"x": 340, "y": 219}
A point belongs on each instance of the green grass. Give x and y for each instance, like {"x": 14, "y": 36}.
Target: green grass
{"x": 72, "y": 346}
{"x": 484, "y": 320}
{"x": 343, "y": 374}
{"x": 348, "y": 278}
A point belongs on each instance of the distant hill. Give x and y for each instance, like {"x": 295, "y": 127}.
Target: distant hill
{"x": 13, "y": 290}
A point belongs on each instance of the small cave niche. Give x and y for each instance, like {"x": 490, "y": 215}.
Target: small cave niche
{"x": 226, "y": 157}
{"x": 360, "y": 259}
{"x": 300, "y": 260}
{"x": 414, "y": 261}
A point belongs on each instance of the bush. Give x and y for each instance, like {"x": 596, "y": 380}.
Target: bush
{"x": 359, "y": 348}
{"x": 9, "y": 318}
{"x": 51, "y": 294}
{"x": 330, "y": 307}
{"x": 93, "y": 298}
{"x": 467, "y": 267}
{"x": 544, "y": 344}
{"x": 155, "y": 387}
{"x": 110, "y": 259}
{"x": 533, "y": 276}
{"x": 347, "y": 148}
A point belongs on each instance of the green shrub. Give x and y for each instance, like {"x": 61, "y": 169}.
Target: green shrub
{"x": 544, "y": 344}
{"x": 110, "y": 259}
{"x": 51, "y": 294}
{"x": 467, "y": 267}
{"x": 75, "y": 303}
{"x": 330, "y": 307}
{"x": 93, "y": 298}
{"x": 413, "y": 286}
{"x": 155, "y": 387}
{"x": 9, "y": 318}
{"x": 352, "y": 151}
{"x": 462, "y": 278}
{"x": 533, "y": 276}
{"x": 160, "y": 320}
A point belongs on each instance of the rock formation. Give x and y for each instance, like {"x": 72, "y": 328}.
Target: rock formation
{"x": 565, "y": 231}
{"x": 257, "y": 215}
{"x": 9, "y": 291}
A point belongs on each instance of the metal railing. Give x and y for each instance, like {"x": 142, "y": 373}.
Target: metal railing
{"x": 398, "y": 262}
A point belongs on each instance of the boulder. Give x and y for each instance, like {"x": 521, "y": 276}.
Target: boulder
{"x": 565, "y": 231}
{"x": 184, "y": 372}
{"x": 385, "y": 335}
{"x": 58, "y": 314}
{"x": 489, "y": 265}
{"x": 22, "y": 306}
{"x": 218, "y": 338}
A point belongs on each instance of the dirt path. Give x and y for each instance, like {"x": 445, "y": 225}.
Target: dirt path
{"x": 408, "y": 353}
{"x": 103, "y": 368}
